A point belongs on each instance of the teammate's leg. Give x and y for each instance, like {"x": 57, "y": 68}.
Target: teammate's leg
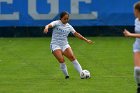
{"x": 137, "y": 69}
{"x": 58, "y": 55}
{"x": 69, "y": 54}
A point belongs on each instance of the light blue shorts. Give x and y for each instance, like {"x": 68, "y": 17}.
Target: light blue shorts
{"x": 136, "y": 46}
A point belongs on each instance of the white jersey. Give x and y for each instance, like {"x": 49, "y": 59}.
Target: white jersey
{"x": 60, "y": 32}
{"x": 137, "y": 28}
{"x": 136, "y": 45}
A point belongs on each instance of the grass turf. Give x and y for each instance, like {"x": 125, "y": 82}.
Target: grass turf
{"x": 27, "y": 66}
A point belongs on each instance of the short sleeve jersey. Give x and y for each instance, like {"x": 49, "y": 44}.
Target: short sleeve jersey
{"x": 61, "y": 32}
{"x": 137, "y": 28}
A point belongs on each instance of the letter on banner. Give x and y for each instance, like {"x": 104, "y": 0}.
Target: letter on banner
{"x": 75, "y": 11}
{"x": 13, "y": 16}
{"x": 32, "y": 10}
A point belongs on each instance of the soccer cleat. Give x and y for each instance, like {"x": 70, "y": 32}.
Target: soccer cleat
{"x": 67, "y": 77}
{"x": 138, "y": 90}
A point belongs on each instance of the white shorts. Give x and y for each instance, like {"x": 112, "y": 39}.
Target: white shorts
{"x": 54, "y": 47}
{"x": 136, "y": 47}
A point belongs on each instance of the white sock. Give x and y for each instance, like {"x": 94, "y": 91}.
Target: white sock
{"x": 137, "y": 74}
{"x": 64, "y": 69}
{"x": 77, "y": 66}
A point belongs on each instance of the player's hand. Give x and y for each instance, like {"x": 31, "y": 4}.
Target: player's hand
{"x": 45, "y": 30}
{"x": 89, "y": 41}
{"x": 126, "y": 33}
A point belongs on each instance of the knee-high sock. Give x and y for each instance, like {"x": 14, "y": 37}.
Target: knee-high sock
{"x": 77, "y": 66}
{"x": 64, "y": 69}
{"x": 137, "y": 74}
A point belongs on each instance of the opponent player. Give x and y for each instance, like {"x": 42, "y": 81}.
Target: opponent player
{"x": 136, "y": 45}
{"x": 59, "y": 43}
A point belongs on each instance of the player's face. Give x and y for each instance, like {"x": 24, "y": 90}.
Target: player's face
{"x": 65, "y": 19}
{"x": 136, "y": 13}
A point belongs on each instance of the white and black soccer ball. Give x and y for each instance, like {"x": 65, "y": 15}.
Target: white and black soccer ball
{"x": 85, "y": 74}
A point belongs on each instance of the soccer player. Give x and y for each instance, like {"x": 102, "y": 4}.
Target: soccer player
{"x": 136, "y": 45}
{"x": 59, "y": 43}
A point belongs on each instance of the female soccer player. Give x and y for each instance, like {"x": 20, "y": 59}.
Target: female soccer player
{"x": 59, "y": 43}
{"x": 136, "y": 45}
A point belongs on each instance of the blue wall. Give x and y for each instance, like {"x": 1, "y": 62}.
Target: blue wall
{"x": 105, "y": 12}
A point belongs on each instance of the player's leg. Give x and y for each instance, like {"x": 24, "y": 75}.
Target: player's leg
{"x": 137, "y": 69}
{"x": 59, "y": 56}
{"x": 69, "y": 54}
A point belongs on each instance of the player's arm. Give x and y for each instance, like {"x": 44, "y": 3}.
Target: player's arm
{"x": 128, "y": 34}
{"x": 47, "y": 27}
{"x": 78, "y": 35}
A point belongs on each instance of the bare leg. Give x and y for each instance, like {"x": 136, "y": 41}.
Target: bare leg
{"x": 137, "y": 69}
{"x": 137, "y": 59}
{"x": 58, "y": 55}
{"x": 69, "y": 54}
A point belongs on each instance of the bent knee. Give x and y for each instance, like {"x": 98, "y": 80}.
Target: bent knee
{"x": 61, "y": 60}
{"x": 71, "y": 58}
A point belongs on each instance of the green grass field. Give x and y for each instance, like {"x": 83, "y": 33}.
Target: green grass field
{"x": 27, "y": 66}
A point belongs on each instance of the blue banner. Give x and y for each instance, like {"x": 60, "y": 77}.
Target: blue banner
{"x": 82, "y": 12}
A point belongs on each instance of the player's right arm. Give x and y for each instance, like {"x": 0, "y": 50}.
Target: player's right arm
{"x": 51, "y": 25}
{"x": 47, "y": 27}
{"x": 128, "y": 34}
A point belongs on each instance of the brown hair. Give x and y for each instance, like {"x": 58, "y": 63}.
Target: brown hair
{"x": 137, "y": 6}
{"x": 62, "y": 14}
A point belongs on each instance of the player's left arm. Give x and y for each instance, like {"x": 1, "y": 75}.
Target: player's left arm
{"x": 78, "y": 35}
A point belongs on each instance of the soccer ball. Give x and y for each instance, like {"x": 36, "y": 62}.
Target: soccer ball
{"x": 85, "y": 74}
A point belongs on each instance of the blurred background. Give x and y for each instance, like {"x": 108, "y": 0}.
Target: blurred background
{"x": 27, "y": 18}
